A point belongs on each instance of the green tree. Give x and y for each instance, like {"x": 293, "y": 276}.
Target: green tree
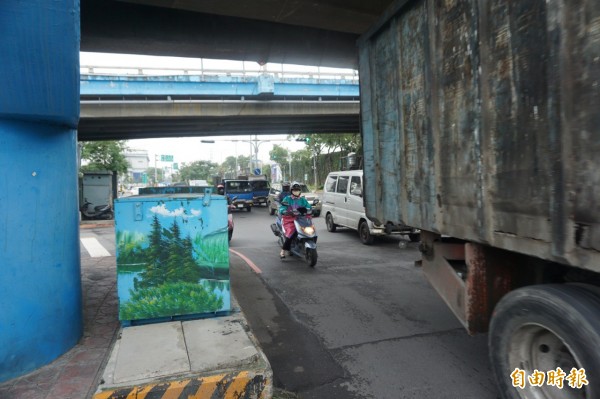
{"x": 150, "y": 172}
{"x": 155, "y": 256}
{"x": 332, "y": 142}
{"x": 170, "y": 299}
{"x": 228, "y": 166}
{"x": 279, "y": 154}
{"x": 198, "y": 170}
{"x": 104, "y": 155}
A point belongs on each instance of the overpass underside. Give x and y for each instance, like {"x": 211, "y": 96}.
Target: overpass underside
{"x": 113, "y": 120}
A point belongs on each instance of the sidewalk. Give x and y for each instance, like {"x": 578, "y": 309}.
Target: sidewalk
{"x": 215, "y": 352}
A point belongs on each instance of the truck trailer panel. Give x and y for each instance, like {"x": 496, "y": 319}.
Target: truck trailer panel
{"x": 481, "y": 121}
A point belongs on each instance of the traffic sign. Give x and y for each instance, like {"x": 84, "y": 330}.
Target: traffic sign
{"x": 166, "y": 158}
{"x": 257, "y": 172}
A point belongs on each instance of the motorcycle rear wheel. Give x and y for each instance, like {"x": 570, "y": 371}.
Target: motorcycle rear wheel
{"x": 311, "y": 257}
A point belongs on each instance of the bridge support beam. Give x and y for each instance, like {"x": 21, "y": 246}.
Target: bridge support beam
{"x": 40, "y": 283}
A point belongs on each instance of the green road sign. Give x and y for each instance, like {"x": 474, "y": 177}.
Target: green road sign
{"x": 166, "y": 158}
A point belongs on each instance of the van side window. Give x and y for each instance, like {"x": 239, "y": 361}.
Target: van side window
{"x": 330, "y": 184}
{"x": 356, "y": 186}
{"x": 342, "y": 186}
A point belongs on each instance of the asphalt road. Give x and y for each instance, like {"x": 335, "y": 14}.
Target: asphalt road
{"x": 364, "y": 323}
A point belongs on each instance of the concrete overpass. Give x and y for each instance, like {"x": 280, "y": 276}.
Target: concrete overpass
{"x": 303, "y": 32}
{"x": 113, "y": 107}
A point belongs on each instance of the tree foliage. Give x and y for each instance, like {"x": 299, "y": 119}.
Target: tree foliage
{"x": 104, "y": 155}
{"x": 169, "y": 258}
{"x": 198, "y": 170}
{"x": 160, "y": 174}
{"x": 279, "y": 154}
{"x": 170, "y": 299}
{"x": 332, "y": 142}
{"x": 229, "y": 164}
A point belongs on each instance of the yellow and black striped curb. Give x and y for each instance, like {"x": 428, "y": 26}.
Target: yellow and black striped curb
{"x": 244, "y": 384}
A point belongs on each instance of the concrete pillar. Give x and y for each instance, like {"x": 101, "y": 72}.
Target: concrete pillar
{"x": 40, "y": 283}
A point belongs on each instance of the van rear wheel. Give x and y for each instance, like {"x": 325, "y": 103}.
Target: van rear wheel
{"x": 365, "y": 234}
{"x": 331, "y": 227}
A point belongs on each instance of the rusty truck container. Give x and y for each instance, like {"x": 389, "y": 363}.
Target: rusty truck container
{"x": 481, "y": 120}
{"x": 481, "y": 127}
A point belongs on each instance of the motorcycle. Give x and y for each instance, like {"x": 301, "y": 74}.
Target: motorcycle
{"x": 304, "y": 242}
{"x": 99, "y": 211}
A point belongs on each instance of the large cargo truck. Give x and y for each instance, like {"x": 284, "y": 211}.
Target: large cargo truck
{"x": 481, "y": 127}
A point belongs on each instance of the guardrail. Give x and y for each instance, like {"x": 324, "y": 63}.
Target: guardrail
{"x": 160, "y": 71}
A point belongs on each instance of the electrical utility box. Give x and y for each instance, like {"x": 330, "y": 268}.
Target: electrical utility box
{"x": 172, "y": 257}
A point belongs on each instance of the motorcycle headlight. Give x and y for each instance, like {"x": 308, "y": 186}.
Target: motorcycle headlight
{"x": 309, "y": 230}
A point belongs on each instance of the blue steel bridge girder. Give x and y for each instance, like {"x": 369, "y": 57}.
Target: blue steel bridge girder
{"x": 204, "y": 86}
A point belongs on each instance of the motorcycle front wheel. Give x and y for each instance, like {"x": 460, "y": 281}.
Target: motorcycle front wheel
{"x": 311, "y": 257}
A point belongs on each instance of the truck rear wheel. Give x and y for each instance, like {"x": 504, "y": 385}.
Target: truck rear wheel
{"x": 543, "y": 328}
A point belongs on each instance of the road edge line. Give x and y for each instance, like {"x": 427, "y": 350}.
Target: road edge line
{"x": 247, "y": 260}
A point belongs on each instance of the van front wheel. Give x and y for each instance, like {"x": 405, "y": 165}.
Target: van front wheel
{"x": 365, "y": 234}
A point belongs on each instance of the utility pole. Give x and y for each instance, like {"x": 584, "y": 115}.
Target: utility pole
{"x": 155, "y": 170}
{"x": 315, "y": 168}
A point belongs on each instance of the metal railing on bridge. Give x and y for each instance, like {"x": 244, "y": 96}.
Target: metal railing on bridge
{"x": 319, "y": 74}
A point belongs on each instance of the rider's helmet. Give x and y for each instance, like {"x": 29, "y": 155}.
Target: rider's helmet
{"x": 221, "y": 189}
{"x": 296, "y": 187}
{"x": 285, "y": 186}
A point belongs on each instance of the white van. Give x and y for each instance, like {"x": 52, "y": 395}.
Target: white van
{"x": 343, "y": 206}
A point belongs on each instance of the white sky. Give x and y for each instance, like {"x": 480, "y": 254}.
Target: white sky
{"x": 189, "y": 149}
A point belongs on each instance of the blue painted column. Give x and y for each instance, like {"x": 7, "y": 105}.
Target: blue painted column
{"x": 40, "y": 283}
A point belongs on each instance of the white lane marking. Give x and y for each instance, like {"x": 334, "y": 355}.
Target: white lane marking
{"x": 94, "y": 248}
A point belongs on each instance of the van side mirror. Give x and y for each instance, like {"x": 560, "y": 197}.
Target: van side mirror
{"x": 356, "y": 191}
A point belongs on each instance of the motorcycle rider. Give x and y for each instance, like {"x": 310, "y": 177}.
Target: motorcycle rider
{"x": 290, "y": 203}
{"x": 285, "y": 191}
{"x": 221, "y": 191}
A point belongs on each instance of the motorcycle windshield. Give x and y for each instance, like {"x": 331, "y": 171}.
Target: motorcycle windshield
{"x": 303, "y": 221}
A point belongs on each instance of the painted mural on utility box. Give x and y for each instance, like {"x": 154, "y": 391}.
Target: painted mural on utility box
{"x": 172, "y": 256}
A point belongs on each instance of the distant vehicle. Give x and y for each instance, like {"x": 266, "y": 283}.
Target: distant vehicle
{"x": 273, "y": 204}
{"x": 260, "y": 192}
{"x": 343, "y": 206}
{"x": 240, "y": 193}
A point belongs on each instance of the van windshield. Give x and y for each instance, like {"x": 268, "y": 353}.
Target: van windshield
{"x": 238, "y": 187}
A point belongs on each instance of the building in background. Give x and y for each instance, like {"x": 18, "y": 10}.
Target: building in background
{"x": 139, "y": 163}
